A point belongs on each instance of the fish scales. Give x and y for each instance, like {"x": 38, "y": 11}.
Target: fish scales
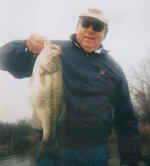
{"x": 47, "y": 91}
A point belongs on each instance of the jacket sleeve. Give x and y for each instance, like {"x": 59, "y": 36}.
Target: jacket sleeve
{"x": 126, "y": 126}
{"x": 16, "y": 59}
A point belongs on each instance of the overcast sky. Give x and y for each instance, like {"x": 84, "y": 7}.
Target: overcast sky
{"x": 127, "y": 40}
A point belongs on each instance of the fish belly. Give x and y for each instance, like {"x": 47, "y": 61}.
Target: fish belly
{"x": 47, "y": 94}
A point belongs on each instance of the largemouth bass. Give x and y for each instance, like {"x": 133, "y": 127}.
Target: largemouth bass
{"x": 47, "y": 94}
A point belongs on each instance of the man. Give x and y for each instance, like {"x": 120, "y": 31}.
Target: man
{"x": 95, "y": 91}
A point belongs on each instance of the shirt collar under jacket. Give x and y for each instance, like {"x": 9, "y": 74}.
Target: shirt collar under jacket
{"x": 74, "y": 40}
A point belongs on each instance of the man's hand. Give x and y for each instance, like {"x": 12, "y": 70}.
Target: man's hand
{"x": 35, "y": 43}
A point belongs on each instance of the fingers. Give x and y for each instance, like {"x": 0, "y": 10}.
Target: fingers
{"x": 35, "y": 43}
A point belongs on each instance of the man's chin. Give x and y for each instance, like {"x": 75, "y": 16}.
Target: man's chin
{"x": 88, "y": 49}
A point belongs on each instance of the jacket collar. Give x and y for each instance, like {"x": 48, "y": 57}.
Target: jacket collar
{"x": 75, "y": 42}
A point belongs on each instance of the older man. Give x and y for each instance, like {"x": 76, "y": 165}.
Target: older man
{"x": 96, "y": 94}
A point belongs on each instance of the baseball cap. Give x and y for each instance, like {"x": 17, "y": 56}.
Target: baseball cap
{"x": 95, "y": 13}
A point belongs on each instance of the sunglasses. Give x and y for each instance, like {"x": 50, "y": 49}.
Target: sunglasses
{"x": 97, "y": 25}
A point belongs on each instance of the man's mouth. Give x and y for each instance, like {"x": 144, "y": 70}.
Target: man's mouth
{"x": 89, "y": 38}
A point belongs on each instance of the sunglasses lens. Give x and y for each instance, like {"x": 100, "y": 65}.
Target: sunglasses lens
{"x": 97, "y": 26}
{"x": 85, "y": 23}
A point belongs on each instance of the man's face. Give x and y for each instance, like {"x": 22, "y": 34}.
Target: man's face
{"x": 90, "y": 36}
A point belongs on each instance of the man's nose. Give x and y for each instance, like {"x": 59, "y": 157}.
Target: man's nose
{"x": 90, "y": 29}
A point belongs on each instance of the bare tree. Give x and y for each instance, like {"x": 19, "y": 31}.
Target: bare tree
{"x": 140, "y": 90}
